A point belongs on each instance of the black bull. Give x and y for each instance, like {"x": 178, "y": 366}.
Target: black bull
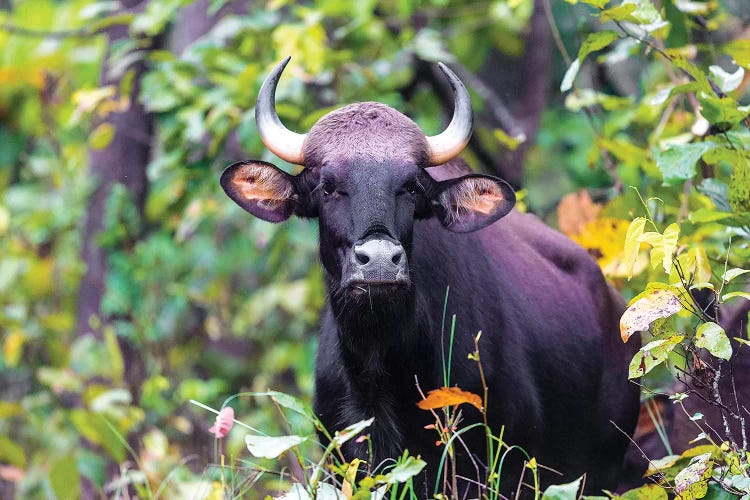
{"x": 394, "y": 235}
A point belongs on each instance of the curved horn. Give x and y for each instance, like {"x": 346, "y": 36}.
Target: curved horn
{"x": 448, "y": 144}
{"x": 281, "y": 141}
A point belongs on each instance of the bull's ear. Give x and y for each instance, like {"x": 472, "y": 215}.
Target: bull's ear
{"x": 472, "y": 202}
{"x": 261, "y": 188}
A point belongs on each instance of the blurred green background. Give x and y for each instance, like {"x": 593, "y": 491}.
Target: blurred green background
{"x": 130, "y": 284}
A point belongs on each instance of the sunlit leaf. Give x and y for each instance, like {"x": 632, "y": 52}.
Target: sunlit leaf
{"x": 739, "y": 50}
{"x": 669, "y": 245}
{"x": 449, "y": 396}
{"x": 652, "y": 355}
{"x": 730, "y": 274}
{"x": 633, "y": 244}
{"x": 102, "y": 136}
{"x": 722, "y": 112}
{"x": 11, "y": 452}
{"x": 511, "y": 143}
{"x": 731, "y": 295}
{"x": 271, "y": 446}
{"x": 596, "y": 41}
{"x": 645, "y": 492}
{"x": 712, "y": 337}
{"x": 12, "y": 348}
{"x": 726, "y": 81}
{"x": 619, "y": 13}
{"x": 352, "y": 431}
{"x": 568, "y": 491}
{"x": 64, "y": 478}
{"x": 599, "y": 4}
{"x": 570, "y": 76}
{"x": 678, "y": 162}
{"x": 692, "y": 482}
{"x": 640, "y": 314}
{"x": 405, "y": 470}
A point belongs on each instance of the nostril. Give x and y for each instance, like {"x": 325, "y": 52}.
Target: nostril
{"x": 397, "y": 257}
{"x": 362, "y": 257}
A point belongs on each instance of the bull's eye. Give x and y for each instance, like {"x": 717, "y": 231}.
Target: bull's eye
{"x": 328, "y": 187}
{"x": 410, "y": 188}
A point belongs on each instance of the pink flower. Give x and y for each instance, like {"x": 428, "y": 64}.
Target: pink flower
{"x": 224, "y": 422}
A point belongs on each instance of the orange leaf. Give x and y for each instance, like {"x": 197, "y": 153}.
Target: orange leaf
{"x": 449, "y": 396}
{"x": 575, "y": 211}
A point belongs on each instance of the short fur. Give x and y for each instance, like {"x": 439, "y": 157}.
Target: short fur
{"x": 555, "y": 367}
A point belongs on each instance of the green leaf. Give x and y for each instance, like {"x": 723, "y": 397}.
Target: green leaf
{"x": 731, "y": 295}
{"x": 115, "y": 354}
{"x": 715, "y": 189}
{"x": 65, "y": 478}
{"x": 700, "y": 77}
{"x": 731, "y": 219}
{"x": 652, "y": 355}
{"x": 94, "y": 428}
{"x": 11, "y": 453}
{"x": 712, "y": 337}
{"x": 646, "y": 492}
{"x": 677, "y": 163}
{"x": 568, "y": 491}
{"x": 596, "y": 41}
{"x": 509, "y": 142}
{"x": 102, "y": 136}
{"x": 405, "y": 470}
{"x": 733, "y": 273}
{"x": 271, "y": 446}
{"x": 632, "y": 243}
{"x": 599, "y": 4}
{"x": 739, "y": 50}
{"x": 286, "y": 401}
{"x": 620, "y": 13}
{"x": 722, "y": 112}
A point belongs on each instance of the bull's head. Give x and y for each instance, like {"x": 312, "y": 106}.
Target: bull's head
{"x": 365, "y": 179}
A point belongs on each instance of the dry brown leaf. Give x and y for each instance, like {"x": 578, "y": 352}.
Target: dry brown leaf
{"x": 449, "y": 396}
{"x": 575, "y": 211}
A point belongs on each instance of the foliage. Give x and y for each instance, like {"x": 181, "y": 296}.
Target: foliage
{"x": 684, "y": 143}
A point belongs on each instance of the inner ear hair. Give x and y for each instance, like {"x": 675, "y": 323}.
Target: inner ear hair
{"x": 471, "y": 195}
{"x": 264, "y": 183}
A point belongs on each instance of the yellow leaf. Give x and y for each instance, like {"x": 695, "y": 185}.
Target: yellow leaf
{"x": 702, "y": 266}
{"x": 604, "y": 239}
{"x": 4, "y": 220}
{"x": 669, "y": 245}
{"x": 101, "y": 136}
{"x": 632, "y": 243}
{"x": 644, "y": 311}
{"x": 449, "y": 396}
{"x": 12, "y": 348}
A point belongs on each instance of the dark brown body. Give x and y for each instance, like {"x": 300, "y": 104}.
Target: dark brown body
{"x": 395, "y": 234}
{"x": 555, "y": 365}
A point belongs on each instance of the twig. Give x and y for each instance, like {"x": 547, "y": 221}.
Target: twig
{"x": 717, "y": 396}
{"x": 54, "y": 34}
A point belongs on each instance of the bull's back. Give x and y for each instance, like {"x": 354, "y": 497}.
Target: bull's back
{"x": 556, "y": 368}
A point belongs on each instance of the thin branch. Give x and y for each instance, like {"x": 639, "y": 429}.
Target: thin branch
{"x": 53, "y": 34}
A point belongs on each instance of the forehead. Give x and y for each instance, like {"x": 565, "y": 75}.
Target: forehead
{"x": 365, "y": 133}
